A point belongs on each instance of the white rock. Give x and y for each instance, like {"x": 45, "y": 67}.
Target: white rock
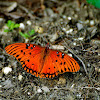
{"x": 74, "y": 43}
{"x": 58, "y": 47}
{"x": 45, "y": 89}
{"x": 64, "y": 29}
{"x": 20, "y": 77}
{"x": 22, "y": 26}
{"x": 92, "y": 22}
{"x": 64, "y": 16}
{"x": 70, "y": 30}
{"x": 39, "y": 90}
{"x": 69, "y": 18}
{"x": 70, "y": 54}
{"x": 29, "y": 22}
{"x": 1, "y": 19}
{"x": 28, "y": 93}
{"x": 81, "y": 38}
{"x": 38, "y": 29}
{"x": 6, "y": 70}
{"x": 79, "y": 26}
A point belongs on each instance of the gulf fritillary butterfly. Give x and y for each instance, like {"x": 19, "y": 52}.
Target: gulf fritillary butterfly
{"x": 42, "y": 61}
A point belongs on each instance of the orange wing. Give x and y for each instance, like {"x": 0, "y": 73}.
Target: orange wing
{"x": 57, "y": 62}
{"x": 29, "y": 55}
{"x": 42, "y": 62}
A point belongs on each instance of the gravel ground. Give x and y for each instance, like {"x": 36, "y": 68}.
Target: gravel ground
{"x": 64, "y": 25}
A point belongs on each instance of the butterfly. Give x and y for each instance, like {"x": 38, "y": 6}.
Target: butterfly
{"x": 42, "y": 61}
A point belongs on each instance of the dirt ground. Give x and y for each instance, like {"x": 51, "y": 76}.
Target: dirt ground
{"x": 65, "y": 25}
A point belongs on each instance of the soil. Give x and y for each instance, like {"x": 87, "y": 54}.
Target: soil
{"x": 70, "y": 26}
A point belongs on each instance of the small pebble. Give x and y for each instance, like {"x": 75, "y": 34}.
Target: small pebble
{"x": 29, "y": 22}
{"x": 61, "y": 80}
{"x": 22, "y": 26}
{"x": 70, "y": 30}
{"x": 97, "y": 70}
{"x": 79, "y": 26}
{"x": 81, "y": 38}
{"x": 38, "y": 29}
{"x": 69, "y": 18}
{"x": 6, "y": 70}
{"x": 86, "y": 22}
{"x": 74, "y": 43}
{"x": 64, "y": 16}
{"x": 28, "y": 93}
{"x": 58, "y": 47}
{"x": 45, "y": 89}
{"x": 70, "y": 54}
{"x": 64, "y": 29}
{"x": 92, "y": 22}
{"x": 20, "y": 77}
{"x": 1, "y": 19}
{"x": 39, "y": 90}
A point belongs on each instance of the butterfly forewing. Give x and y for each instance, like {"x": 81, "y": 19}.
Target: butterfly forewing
{"x": 63, "y": 62}
{"x": 28, "y": 54}
{"x": 56, "y": 63}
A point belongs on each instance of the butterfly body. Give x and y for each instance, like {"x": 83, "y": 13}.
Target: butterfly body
{"x": 42, "y": 61}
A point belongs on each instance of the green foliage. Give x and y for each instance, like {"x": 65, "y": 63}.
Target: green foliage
{"x": 11, "y": 25}
{"x": 28, "y": 35}
{"x": 96, "y": 3}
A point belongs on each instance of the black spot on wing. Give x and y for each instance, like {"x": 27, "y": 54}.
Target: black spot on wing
{"x": 14, "y": 53}
{"x": 31, "y": 47}
{"x": 19, "y": 59}
{"x": 58, "y": 55}
{"x": 27, "y": 45}
{"x": 64, "y": 68}
{"x": 30, "y": 53}
{"x": 34, "y": 46}
{"x": 28, "y": 60}
{"x": 69, "y": 69}
{"x": 56, "y": 60}
{"x": 61, "y": 70}
{"x": 63, "y": 55}
{"x": 23, "y": 62}
{"x": 24, "y": 53}
{"x": 17, "y": 55}
{"x": 21, "y": 50}
{"x": 61, "y": 63}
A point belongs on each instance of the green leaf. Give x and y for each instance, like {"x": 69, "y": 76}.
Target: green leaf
{"x": 11, "y": 25}
{"x": 25, "y": 35}
{"x": 16, "y": 25}
{"x": 96, "y": 3}
{"x": 32, "y": 32}
{"x": 6, "y": 30}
